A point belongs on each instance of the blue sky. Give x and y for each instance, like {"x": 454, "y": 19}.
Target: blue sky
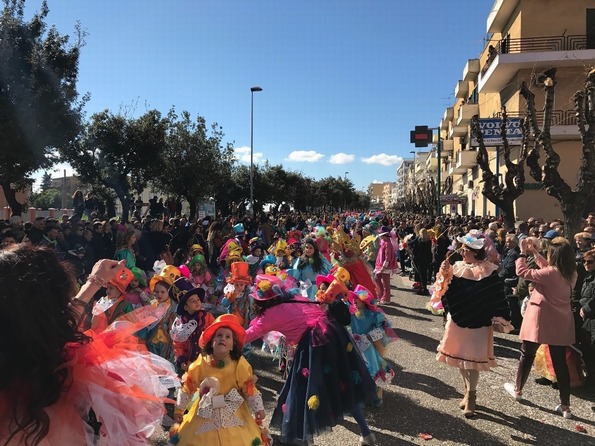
{"x": 343, "y": 81}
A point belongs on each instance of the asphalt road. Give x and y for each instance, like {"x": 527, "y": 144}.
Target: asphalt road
{"x": 423, "y": 400}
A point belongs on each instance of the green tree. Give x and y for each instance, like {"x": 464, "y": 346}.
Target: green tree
{"x": 39, "y": 105}
{"x": 119, "y": 153}
{"x": 46, "y": 181}
{"x": 49, "y": 198}
{"x": 193, "y": 162}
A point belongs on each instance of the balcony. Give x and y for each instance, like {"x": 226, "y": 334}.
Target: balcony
{"x": 432, "y": 162}
{"x": 448, "y": 146}
{"x": 465, "y": 160}
{"x": 500, "y": 14}
{"x": 466, "y": 112}
{"x": 563, "y": 125}
{"x": 461, "y": 89}
{"x": 471, "y": 70}
{"x": 458, "y": 130}
{"x": 509, "y": 56}
{"x": 449, "y": 113}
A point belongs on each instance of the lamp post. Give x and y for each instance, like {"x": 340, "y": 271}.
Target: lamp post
{"x": 252, "y": 90}
{"x": 345, "y": 177}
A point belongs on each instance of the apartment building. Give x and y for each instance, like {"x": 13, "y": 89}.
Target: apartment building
{"x": 526, "y": 37}
{"x": 404, "y": 178}
{"x": 387, "y": 194}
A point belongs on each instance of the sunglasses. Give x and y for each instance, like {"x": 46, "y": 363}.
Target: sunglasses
{"x": 589, "y": 262}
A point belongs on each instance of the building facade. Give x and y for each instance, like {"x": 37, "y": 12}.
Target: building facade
{"x": 526, "y": 37}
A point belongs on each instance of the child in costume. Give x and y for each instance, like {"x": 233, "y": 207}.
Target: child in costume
{"x": 136, "y": 292}
{"x": 225, "y": 383}
{"x": 331, "y": 293}
{"x": 386, "y": 264}
{"x": 328, "y": 377}
{"x": 255, "y": 256}
{"x": 191, "y": 321}
{"x": 157, "y": 335}
{"x": 322, "y": 242}
{"x": 200, "y": 275}
{"x": 372, "y": 333}
{"x": 113, "y": 305}
{"x": 311, "y": 264}
{"x": 347, "y": 253}
{"x": 237, "y": 296}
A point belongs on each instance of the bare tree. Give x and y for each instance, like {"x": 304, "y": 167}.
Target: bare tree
{"x": 572, "y": 202}
{"x": 502, "y": 195}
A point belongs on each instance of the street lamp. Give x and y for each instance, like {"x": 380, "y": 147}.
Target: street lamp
{"x": 346, "y": 175}
{"x": 252, "y": 90}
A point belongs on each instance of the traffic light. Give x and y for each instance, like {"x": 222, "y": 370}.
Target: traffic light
{"x": 421, "y": 136}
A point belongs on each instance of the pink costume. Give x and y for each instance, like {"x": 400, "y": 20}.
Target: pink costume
{"x": 386, "y": 264}
{"x": 295, "y": 319}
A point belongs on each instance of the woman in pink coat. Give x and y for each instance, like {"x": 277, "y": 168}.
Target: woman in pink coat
{"x": 548, "y": 318}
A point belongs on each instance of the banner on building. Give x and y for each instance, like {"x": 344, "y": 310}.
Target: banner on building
{"x": 492, "y": 137}
{"x": 452, "y": 199}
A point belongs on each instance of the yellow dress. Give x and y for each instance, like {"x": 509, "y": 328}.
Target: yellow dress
{"x": 223, "y": 413}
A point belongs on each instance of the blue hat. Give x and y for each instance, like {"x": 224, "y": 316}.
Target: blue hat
{"x": 239, "y": 228}
{"x": 551, "y": 234}
{"x": 268, "y": 260}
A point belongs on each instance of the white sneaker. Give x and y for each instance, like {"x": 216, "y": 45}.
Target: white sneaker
{"x": 566, "y": 413}
{"x": 368, "y": 440}
{"x": 511, "y": 390}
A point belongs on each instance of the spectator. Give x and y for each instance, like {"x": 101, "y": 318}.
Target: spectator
{"x": 16, "y": 227}
{"x": 548, "y": 318}
{"x": 521, "y": 230}
{"x": 37, "y": 231}
{"x": 508, "y": 275}
{"x": 587, "y": 316}
{"x": 50, "y": 240}
{"x": 78, "y": 203}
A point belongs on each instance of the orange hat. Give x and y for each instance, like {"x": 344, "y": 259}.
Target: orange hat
{"x": 122, "y": 279}
{"x": 239, "y": 273}
{"x": 169, "y": 274}
{"x": 224, "y": 321}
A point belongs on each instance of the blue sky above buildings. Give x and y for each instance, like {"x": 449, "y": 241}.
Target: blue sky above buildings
{"x": 343, "y": 81}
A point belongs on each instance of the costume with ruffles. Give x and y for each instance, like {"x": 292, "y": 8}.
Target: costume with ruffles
{"x": 473, "y": 296}
{"x": 157, "y": 335}
{"x": 118, "y": 379}
{"x": 222, "y": 414}
{"x": 371, "y": 332}
{"x": 328, "y": 376}
{"x": 185, "y": 334}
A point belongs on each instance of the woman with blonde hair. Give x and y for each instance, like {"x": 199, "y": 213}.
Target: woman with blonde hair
{"x": 548, "y": 318}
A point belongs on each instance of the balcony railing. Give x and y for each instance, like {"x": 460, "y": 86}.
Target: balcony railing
{"x": 535, "y": 44}
{"x": 559, "y": 117}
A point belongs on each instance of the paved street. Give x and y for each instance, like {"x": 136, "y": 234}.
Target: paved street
{"x": 425, "y": 394}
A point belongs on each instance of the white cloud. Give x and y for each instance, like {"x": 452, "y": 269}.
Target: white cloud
{"x": 308, "y": 156}
{"x": 242, "y": 154}
{"x": 341, "y": 158}
{"x": 377, "y": 182}
{"x": 384, "y": 159}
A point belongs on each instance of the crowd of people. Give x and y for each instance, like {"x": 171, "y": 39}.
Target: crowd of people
{"x": 196, "y": 293}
